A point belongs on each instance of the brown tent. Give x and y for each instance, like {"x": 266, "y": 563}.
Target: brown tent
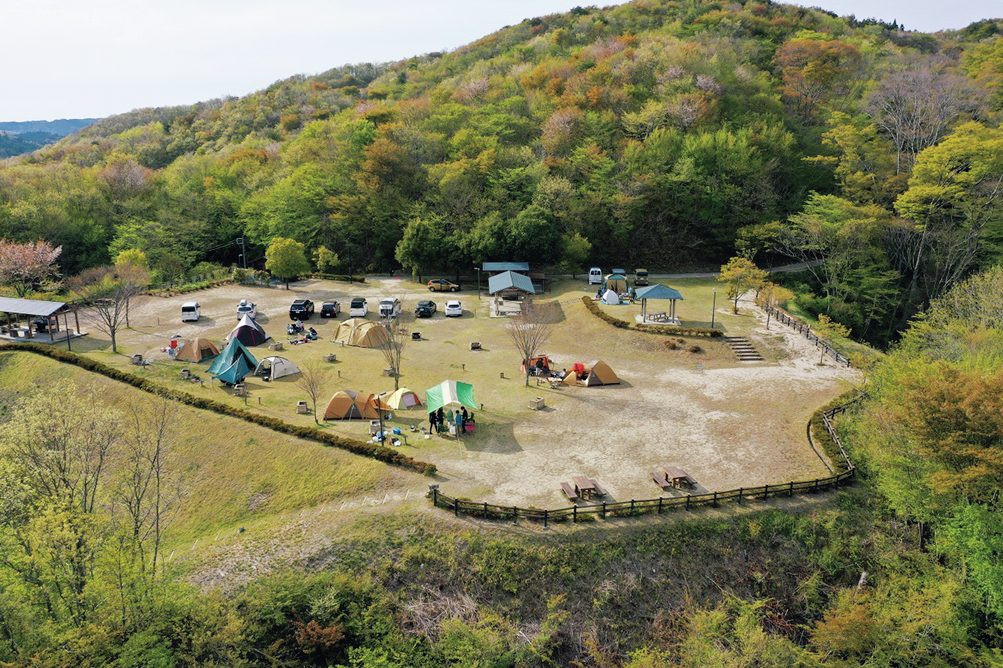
{"x": 595, "y": 374}
{"x": 362, "y": 333}
{"x": 349, "y": 405}
{"x": 196, "y": 350}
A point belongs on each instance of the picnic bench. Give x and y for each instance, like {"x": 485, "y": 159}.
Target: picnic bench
{"x": 672, "y": 476}
{"x": 587, "y": 488}
{"x": 569, "y": 491}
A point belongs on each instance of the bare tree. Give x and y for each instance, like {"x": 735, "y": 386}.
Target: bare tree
{"x": 916, "y": 107}
{"x": 397, "y": 336}
{"x": 529, "y": 331}
{"x": 312, "y": 379}
{"x": 108, "y": 292}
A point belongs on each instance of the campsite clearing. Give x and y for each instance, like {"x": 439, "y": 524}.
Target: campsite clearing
{"x": 728, "y": 424}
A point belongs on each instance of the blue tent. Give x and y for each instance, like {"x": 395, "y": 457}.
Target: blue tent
{"x": 233, "y": 351}
{"x": 234, "y": 373}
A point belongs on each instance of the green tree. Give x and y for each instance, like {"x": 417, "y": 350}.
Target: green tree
{"x": 286, "y": 259}
{"x": 575, "y": 250}
{"x": 326, "y": 260}
{"x": 741, "y": 275}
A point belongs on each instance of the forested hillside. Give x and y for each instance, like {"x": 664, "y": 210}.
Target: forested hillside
{"x": 17, "y": 137}
{"x": 658, "y": 133}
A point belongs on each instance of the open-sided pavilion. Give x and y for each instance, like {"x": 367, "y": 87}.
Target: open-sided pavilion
{"x": 38, "y": 321}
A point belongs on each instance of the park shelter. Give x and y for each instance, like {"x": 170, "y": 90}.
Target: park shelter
{"x": 363, "y": 333}
{"x": 248, "y": 332}
{"x": 492, "y": 268}
{"x": 610, "y": 297}
{"x": 195, "y": 350}
{"x": 510, "y": 285}
{"x": 593, "y": 375}
{"x": 275, "y": 367}
{"x": 41, "y": 320}
{"x": 450, "y": 392}
{"x": 233, "y": 351}
{"x": 350, "y": 405}
{"x": 403, "y": 399}
{"x": 663, "y": 292}
{"x": 615, "y": 282}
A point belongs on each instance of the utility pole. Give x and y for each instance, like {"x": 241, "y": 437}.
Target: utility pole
{"x": 243, "y": 253}
{"x": 713, "y": 308}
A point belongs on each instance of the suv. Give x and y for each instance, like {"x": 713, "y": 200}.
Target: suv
{"x": 390, "y": 307}
{"x": 330, "y": 309}
{"x": 358, "y": 308}
{"x": 247, "y": 307}
{"x": 425, "y": 309}
{"x": 640, "y": 277}
{"x": 453, "y": 309}
{"x": 442, "y": 285}
{"x": 301, "y": 309}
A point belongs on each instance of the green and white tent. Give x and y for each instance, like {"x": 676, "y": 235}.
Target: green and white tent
{"x": 450, "y": 392}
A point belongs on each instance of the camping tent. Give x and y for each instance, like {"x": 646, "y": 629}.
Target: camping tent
{"x": 275, "y": 367}
{"x": 362, "y": 333}
{"x": 597, "y": 373}
{"x": 195, "y": 350}
{"x": 224, "y": 362}
{"x": 248, "y": 332}
{"x": 349, "y": 405}
{"x": 610, "y": 297}
{"x": 450, "y": 392}
{"x": 616, "y": 282}
{"x": 541, "y": 363}
{"x": 402, "y": 399}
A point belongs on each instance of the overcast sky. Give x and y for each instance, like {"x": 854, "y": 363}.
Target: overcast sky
{"x": 81, "y": 58}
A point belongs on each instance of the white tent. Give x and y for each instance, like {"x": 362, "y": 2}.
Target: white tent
{"x": 610, "y": 297}
{"x": 275, "y": 367}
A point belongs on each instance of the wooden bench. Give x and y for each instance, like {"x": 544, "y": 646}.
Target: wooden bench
{"x": 659, "y": 479}
{"x": 599, "y": 491}
{"x": 568, "y": 491}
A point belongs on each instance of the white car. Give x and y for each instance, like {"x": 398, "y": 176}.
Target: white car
{"x": 247, "y": 307}
{"x": 358, "y": 308}
{"x": 595, "y": 276}
{"x": 390, "y": 308}
{"x": 191, "y": 312}
{"x": 453, "y": 309}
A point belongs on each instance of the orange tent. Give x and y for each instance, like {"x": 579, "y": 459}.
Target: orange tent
{"x": 350, "y": 405}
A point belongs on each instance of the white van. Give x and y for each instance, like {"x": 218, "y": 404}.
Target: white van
{"x": 190, "y": 312}
{"x": 390, "y": 308}
{"x": 595, "y": 276}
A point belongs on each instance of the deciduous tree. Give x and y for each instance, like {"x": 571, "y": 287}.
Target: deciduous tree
{"x": 741, "y": 275}
{"x": 26, "y": 266}
{"x": 286, "y": 259}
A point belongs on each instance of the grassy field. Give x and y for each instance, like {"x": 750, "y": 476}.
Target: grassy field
{"x": 701, "y": 410}
{"x": 233, "y": 474}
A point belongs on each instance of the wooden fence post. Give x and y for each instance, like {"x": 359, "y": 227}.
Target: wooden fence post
{"x": 456, "y": 507}
{"x": 766, "y": 492}
{"x": 688, "y": 501}
{"x": 545, "y": 512}
{"x": 435, "y": 495}
{"x": 515, "y": 514}
{"x": 659, "y": 505}
{"x": 574, "y": 514}
{"x": 714, "y": 502}
{"x": 485, "y": 510}
{"x": 816, "y": 485}
{"x": 632, "y": 506}
{"x": 790, "y": 488}
{"x": 604, "y": 510}
{"x": 740, "y": 495}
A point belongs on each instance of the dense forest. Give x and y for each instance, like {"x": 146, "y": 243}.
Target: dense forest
{"x": 17, "y": 137}
{"x": 655, "y": 133}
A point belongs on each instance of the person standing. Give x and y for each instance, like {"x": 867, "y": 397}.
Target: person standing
{"x": 431, "y": 421}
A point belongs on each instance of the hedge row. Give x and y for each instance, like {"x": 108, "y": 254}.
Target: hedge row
{"x": 339, "y": 277}
{"x": 380, "y": 452}
{"x": 189, "y": 287}
{"x": 661, "y": 330}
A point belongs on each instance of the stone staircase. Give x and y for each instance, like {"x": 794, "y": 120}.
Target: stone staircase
{"x": 743, "y": 349}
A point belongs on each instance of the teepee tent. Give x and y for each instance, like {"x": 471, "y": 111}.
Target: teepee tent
{"x": 403, "y": 399}
{"x": 196, "y": 350}
{"x": 248, "y": 332}
{"x": 233, "y": 351}
{"x": 275, "y": 367}
{"x": 450, "y": 392}
{"x": 234, "y": 373}
{"x": 610, "y": 297}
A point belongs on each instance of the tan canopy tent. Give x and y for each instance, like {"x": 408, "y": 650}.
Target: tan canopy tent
{"x": 362, "y": 333}
{"x": 350, "y": 405}
{"x": 195, "y": 350}
{"x": 592, "y": 375}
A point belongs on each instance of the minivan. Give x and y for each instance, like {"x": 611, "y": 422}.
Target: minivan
{"x": 358, "y": 308}
{"x": 390, "y": 308}
{"x": 595, "y": 276}
{"x": 190, "y": 312}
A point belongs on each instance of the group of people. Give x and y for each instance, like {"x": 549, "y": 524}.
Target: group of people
{"x": 439, "y": 421}
{"x": 296, "y": 328}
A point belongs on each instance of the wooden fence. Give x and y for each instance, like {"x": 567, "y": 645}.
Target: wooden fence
{"x": 844, "y": 475}
{"x": 804, "y": 328}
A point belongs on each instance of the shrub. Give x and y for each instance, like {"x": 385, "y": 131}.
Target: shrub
{"x": 695, "y": 349}
{"x": 663, "y": 330}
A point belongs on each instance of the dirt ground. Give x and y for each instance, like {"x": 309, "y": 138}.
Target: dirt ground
{"x": 727, "y": 423}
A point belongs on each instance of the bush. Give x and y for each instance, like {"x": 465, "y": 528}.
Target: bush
{"x": 663, "y": 330}
{"x": 695, "y": 349}
{"x": 671, "y": 345}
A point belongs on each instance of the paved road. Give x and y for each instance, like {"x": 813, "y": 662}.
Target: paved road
{"x": 797, "y": 266}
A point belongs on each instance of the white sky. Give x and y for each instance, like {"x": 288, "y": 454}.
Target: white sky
{"x": 80, "y": 58}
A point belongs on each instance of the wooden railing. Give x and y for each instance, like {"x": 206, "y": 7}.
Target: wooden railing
{"x": 844, "y": 475}
{"x": 804, "y": 329}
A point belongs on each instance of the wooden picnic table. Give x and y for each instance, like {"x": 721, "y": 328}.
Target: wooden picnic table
{"x": 677, "y": 477}
{"x": 587, "y": 488}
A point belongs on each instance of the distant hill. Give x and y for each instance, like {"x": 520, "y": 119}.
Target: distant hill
{"x": 18, "y": 137}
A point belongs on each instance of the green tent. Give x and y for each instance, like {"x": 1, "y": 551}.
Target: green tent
{"x": 234, "y": 373}
{"x": 233, "y": 351}
{"x": 450, "y": 392}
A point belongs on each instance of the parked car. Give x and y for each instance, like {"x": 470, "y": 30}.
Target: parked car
{"x": 640, "y": 277}
{"x": 595, "y": 276}
{"x": 453, "y": 309}
{"x": 301, "y": 309}
{"x": 247, "y": 307}
{"x": 358, "y": 308}
{"x": 390, "y": 308}
{"x": 425, "y": 309}
{"x": 191, "y": 312}
{"x": 330, "y": 309}
{"x": 619, "y": 270}
{"x": 442, "y": 285}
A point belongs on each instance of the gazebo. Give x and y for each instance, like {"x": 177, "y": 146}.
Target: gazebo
{"x": 42, "y": 321}
{"x": 659, "y": 291}
{"x": 510, "y": 285}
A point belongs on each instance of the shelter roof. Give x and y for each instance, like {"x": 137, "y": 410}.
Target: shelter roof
{"x": 30, "y": 306}
{"x": 510, "y": 279}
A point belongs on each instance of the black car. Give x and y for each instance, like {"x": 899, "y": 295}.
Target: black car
{"x": 330, "y": 309}
{"x": 424, "y": 309}
{"x": 301, "y": 309}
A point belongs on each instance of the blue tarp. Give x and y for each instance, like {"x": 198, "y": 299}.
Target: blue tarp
{"x": 658, "y": 291}
{"x": 234, "y": 373}
{"x": 505, "y": 266}
{"x": 233, "y": 351}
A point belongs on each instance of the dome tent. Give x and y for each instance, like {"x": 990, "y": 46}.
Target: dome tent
{"x": 248, "y": 332}
{"x": 350, "y": 405}
{"x": 403, "y": 399}
{"x": 273, "y": 368}
{"x": 362, "y": 333}
{"x": 610, "y": 297}
{"x": 195, "y": 350}
{"x": 595, "y": 374}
